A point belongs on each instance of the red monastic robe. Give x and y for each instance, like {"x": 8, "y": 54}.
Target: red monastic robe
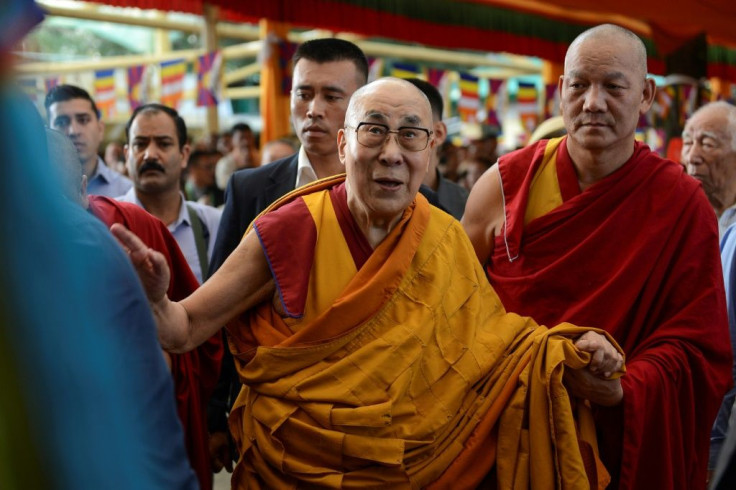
{"x": 195, "y": 373}
{"x": 635, "y": 254}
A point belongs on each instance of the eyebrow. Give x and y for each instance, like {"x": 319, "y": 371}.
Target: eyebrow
{"x": 610, "y": 75}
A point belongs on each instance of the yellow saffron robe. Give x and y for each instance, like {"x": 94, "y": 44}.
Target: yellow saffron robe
{"x": 408, "y": 374}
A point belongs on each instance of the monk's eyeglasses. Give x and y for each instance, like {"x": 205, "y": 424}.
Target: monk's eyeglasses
{"x": 373, "y": 135}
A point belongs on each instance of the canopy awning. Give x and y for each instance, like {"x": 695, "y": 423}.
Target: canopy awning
{"x": 525, "y": 27}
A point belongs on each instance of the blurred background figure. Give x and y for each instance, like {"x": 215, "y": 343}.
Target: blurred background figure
{"x": 473, "y": 169}
{"x": 243, "y": 154}
{"x": 278, "y": 149}
{"x": 115, "y": 158}
{"x": 554, "y": 127}
{"x": 200, "y": 183}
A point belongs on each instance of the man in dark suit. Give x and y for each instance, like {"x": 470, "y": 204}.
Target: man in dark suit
{"x": 326, "y": 73}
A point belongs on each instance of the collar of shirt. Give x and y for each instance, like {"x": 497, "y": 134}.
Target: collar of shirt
{"x": 102, "y": 172}
{"x": 727, "y": 219}
{"x": 304, "y": 170}
{"x": 182, "y": 219}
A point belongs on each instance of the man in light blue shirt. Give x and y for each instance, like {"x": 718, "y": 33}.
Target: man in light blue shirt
{"x": 156, "y": 154}
{"x": 72, "y": 111}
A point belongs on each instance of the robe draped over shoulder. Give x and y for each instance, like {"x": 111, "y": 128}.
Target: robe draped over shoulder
{"x": 636, "y": 255}
{"x": 395, "y": 371}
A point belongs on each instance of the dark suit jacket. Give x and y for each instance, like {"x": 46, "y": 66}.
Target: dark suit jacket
{"x": 249, "y": 192}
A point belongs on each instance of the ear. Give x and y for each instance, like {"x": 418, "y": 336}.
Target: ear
{"x": 647, "y": 96}
{"x": 341, "y": 143}
{"x": 560, "y": 85}
{"x": 186, "y": 150}
{"x": 440, "y": 134}
{"x": 101, "y": 126}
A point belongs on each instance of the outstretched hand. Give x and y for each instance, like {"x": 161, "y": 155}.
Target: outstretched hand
{"x": 150, "y": 264}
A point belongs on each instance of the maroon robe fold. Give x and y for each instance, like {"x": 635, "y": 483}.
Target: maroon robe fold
{"x": 195, "y": 373}
{"x": 637, "y": 255}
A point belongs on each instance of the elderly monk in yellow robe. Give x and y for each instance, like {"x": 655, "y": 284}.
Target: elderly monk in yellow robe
{"x": 372, "y": 349}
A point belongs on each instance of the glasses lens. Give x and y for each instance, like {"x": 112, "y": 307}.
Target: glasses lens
{"x": 412, "y": 139}
{"x": 371, "y": 134}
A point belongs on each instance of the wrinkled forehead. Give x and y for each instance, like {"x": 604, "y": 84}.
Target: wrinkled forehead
{"x": 614, "y": 53}
{"x": 391, "y": 104}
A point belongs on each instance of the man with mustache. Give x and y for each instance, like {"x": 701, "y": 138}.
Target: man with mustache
{"x": 72, "y": 111}
{"x": 157, "y": 152}
{"x": 595, "y": 229}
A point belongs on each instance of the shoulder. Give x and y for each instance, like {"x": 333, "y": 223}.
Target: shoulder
{"x": 451, "y": 188}
{"x": 208, "y": 214}
{"x": 265, "y": 172}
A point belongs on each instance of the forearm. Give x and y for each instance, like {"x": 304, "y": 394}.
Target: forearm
{"x": 173, "y": 326}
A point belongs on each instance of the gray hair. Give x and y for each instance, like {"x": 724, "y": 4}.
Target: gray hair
{"x": 729, "y": 109}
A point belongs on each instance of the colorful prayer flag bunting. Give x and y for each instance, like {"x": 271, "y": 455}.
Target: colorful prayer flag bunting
{"x": 406, "y": 70}
{"x": 172, "y": 82}
{"x": 494, "y": 103}
{"x": 136, "y": 95}
{"x": 526, "y": 98}
{"x": 51, "y": 82}
{"x": 286, "y": 53}
{"x": 551, "y": 101}
{"x": 105, "y": 92}
{"x": 208, "y": 79}
{"x": 375, "y": 69}
{"x": 469, "y": 102}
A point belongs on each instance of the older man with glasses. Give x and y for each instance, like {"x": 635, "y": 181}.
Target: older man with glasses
{"x": 371, "y": 347}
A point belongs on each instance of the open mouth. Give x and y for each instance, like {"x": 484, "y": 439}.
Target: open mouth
{"x": 389, "y": 184}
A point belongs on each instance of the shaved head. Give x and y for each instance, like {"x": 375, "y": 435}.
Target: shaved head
{"x": 611, "y": 33}
{"x": 353, "y": 115}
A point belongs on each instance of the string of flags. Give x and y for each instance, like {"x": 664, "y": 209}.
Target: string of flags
{"x": 468, "y": 96}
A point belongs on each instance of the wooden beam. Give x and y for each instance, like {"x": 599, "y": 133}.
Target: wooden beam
{"x": 241, "y": 73}
{"x": 242, "y": 93}
{"x": 120, "y": 18}
{"x": 61, "y": 67}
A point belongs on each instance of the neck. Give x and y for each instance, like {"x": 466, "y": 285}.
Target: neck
{"x": 326, "y": 166}
{"x": 594, "y": 165}
{"x": 163, "y": 205}
{"x": 432, "y": 180}
{"x": 90, "y": 167}
{"x": 374, "y": 228}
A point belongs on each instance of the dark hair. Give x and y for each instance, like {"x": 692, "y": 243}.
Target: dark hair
{"x": 62, "y": 93}
{"x": 242, "y": 127}
{"x": 196, "y": 155}
{"x": 435, "y": 99}
{"x": 181, "y": 127}
{"x": 330, "y": 49}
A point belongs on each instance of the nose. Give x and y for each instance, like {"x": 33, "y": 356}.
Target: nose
{"x": 73, "y": 127}
{"x": 316, "y": 108}
{"x": 595, "y": 99}
{"x": 391, "y": 151}
{"x": 150, "y": 152}
{"x": 691, "y": 156}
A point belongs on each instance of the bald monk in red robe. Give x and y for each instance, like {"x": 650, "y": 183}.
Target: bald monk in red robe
{"x": 595, "y": 229}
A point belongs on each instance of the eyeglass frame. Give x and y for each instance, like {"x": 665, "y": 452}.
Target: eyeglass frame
{"x": 388, "y": 132}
